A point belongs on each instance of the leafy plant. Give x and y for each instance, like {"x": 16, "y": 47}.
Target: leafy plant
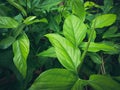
{"x": 85, "y": 46}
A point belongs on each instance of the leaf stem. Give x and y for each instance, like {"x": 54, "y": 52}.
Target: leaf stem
{"x": 86, "y": 49}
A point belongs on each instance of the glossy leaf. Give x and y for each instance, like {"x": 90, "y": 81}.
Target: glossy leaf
{"x": 8, "y": 22}
{"x": 95, "y": 47}
{"x": 68, "y": 55}
{"x": 103, "y": 20}
{"x": 6, "y": 42}
{"x": 32, "y": 19}
{"x": 74, "y": 30}
{"x": 78, "y": 9}
{"x": 54, "y": 79}
{"x": 28, "y": 19}
{"x": 50, "y": 52}
{"x": 21, "y": 51}
{"x": 100, "y": 82}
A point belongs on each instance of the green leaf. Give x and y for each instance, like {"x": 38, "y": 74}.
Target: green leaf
{"x": 48, "y": 53}
{"x": 28, "y": 19}
{"x": 95, "y": 47}
{"x": 6, "y": 42}
{"x": 99, "y": 82}
{"x": 68, "y": 55}
{"x": 8, "y": 22}
{"x": 31, "y": 19}
{"x": 110, "y": 32}
{"x": 17, "y": 31}
{"x": 18, "y": 6}
{"x": 48, "y": 4}
{"x": 78, "y": 9}
{"x": 103, "y": 20}
{"x": 74, "y": 30}
{"x": 54, "y": 79}
{"x": 107, "y": 5}
{"x": 21, "y": 51}
{"x": 95, "y": 58}
{"x": 79, "y": 85}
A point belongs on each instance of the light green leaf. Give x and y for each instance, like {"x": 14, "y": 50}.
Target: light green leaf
{"x": 74, "y": 30}
{"x": 48, "y": 53}
{"x": 95, "y": 58}
{"x": 95, "y": 47}
{"x": 99, "y": 82}
{"x": 32, "y": 20}
{"x": 68, "y": 55}
{"x": 18, "y": 6}
{"x": 8, "y": 22}
{"x": 54, "y": 79}
{"x": 78, "y": 9}
{"x": 103, "y": 20}
{"x": 6, "y": 42}
{"x": 28, "y": 19}
{"x": 21, "y": 51}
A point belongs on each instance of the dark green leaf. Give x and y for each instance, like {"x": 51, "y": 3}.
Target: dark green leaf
{"x": 6, "y": 42}
{"x": 48, "y": 4}
{"x": 19, "y": 7}
{"x": 74, "y": 30}
{"x": 54, "y": 79}
{"x": 99, "y": 82}
{"x": 95, "y": 58}
{"x": 111, "y": 33}
{"x": 68, "y": 55}
{"x": 21, "y": 51}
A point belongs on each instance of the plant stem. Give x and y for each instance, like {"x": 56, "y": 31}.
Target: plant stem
{"x": 103, "y": 67}
{"x": 86, "y": 49}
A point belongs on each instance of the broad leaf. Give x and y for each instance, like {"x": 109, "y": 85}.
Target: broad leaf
{"x": 95, "y": 47}
{"x": 48, "y": 53}
{"x": 21, "y": 51}
{"x": 8, "y": 22}
{"x": 68, "y": 55}
{"x": 99, "y": 82}
{"x": 54, "y": 79}
{"x": 6, "y": 42}
{"x": 74, "y": 30}
{"x": 78, "y": 9}
{"x": 103, "y": 20}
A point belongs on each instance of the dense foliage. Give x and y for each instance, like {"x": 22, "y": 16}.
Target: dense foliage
{"x": 59, "y": 45}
